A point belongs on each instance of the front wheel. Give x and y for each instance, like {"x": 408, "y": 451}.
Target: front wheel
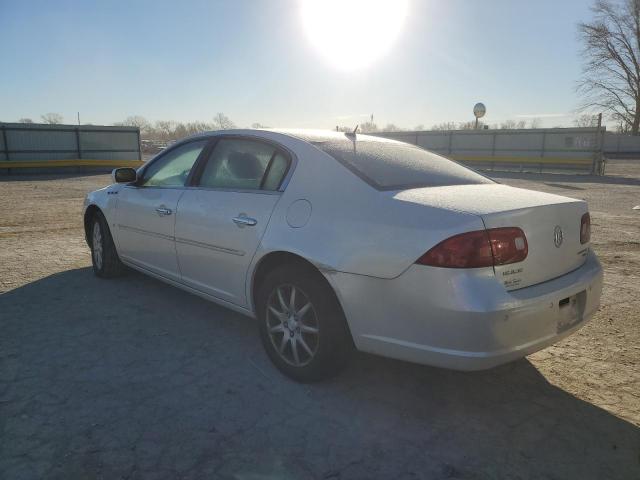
{"x": 105, "y": 260}
{"x": 302, "y": 326}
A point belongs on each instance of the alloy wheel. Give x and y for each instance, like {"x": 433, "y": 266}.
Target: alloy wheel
{"x": 292, "y": 325}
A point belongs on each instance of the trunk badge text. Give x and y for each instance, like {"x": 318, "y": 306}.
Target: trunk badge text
{"x": 557, "y": 236}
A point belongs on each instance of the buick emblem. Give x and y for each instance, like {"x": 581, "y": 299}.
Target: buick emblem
{"x": 557, "y": 236}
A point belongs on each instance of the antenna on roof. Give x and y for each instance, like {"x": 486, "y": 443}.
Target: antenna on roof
{"x": 353, "y": 133}
{"x": 352, "y": 137}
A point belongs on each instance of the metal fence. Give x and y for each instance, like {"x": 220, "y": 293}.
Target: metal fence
{"x": 553, "y": 149}
{"x": 32, "y": 145}
{"x": 621, "y": 145}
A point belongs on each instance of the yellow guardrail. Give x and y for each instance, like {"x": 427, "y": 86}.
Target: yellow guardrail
{"x": 523, "y": 160}
{"x": 70, "y": 163}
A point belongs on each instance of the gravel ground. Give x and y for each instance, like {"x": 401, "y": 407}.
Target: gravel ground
{"x": 131, "y": 378}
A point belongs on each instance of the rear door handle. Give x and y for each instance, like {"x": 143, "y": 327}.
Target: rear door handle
{"x": 243, "y": 221}
{"x": 163, "y": 211}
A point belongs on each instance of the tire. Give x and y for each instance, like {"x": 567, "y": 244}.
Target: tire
{"x": 105, "y": 260}
{"x": 317, "y": 332}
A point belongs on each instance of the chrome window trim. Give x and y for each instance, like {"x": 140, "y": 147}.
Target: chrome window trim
{"x": 207, "y": 189}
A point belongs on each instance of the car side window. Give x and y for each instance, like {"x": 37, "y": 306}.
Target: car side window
{"x": 244, "y": 164}
{"x": 276, "y": 172}
{"x": 172, "y": 169}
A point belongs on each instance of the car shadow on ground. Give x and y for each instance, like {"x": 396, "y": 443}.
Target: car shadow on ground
{"x": 132, "y": 378}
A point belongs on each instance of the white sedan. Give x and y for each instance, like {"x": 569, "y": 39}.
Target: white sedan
{"x": 334, "y": 241}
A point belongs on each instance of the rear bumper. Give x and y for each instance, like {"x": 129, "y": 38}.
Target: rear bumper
{"x": 463, "y": 319}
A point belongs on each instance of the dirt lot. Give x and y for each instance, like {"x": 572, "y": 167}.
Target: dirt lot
{"x": 131, "y": 378}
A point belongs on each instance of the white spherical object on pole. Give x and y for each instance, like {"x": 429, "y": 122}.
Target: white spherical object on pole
{"x": 479, "y": 110}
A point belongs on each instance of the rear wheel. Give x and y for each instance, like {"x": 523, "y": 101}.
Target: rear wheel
{"x": 105, "y": 260}
{"x": 302, "y": 325}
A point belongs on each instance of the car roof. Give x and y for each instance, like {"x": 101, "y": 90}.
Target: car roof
{"x": 308, "y": 135}
{"x": 383, "y": 163}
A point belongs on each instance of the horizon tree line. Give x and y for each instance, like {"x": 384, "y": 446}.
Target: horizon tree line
{"x": 170, "y": 130}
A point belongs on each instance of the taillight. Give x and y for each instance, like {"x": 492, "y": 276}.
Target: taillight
{"x": 467, "y": 250}
{"x": 585, "y": 228}
{"x": 481, "y": 248}
{"x": 509, "y": 245}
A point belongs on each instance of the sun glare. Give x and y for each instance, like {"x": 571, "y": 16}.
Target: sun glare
{"x": 352, "y": 34}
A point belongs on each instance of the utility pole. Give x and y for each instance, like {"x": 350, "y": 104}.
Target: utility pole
{"x": 78, "y": 118}
{"x": 598, "y": 160}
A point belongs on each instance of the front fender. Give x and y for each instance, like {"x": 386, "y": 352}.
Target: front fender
{"x": 104, "y": 200}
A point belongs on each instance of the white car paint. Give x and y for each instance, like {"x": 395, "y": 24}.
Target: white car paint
{"x": 136, "y": 216}
{"x": 537, "y": 213}
{"x": 214, "y": 253}
{"x": 366, "y": 242}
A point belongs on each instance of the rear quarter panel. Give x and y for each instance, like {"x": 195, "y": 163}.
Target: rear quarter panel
{"x": 353, "y": 227}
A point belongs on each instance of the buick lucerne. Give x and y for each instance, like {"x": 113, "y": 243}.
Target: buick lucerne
{"x": 337, "y": 241}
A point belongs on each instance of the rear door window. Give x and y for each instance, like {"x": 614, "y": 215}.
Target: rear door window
{"x": 244, "y": 164}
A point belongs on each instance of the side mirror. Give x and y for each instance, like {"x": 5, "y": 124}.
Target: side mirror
{"x": 124, "y": 175}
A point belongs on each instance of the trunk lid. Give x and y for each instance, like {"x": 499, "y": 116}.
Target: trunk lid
{"x": 543, "y": 217}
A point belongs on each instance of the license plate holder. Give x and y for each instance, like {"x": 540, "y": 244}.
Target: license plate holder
{"x": 570, "y": 311}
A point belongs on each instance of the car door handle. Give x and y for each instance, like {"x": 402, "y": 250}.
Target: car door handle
{"x": 163, "y": 211}
{"x": 244, "y": 221}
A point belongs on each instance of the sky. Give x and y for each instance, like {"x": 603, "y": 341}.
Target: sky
{"x": 256, "y": 61}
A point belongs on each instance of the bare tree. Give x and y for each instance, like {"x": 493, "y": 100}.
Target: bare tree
{"x": 535, "y": 123}
{"x": 367, "y": 127}
{"x": 165, "y": 130}
{"x": 52, "y": 118}
{"x": 611, "y": 72}
{"x": 197, "y": 127}
{"x": 25, "y": 120}
{"x": 444, "y": 126}
{"x": 391, "y": 127}
{"x": 136, "y": 121}
{"x": 418, "y": 128}
{"x": 586, "y": 120}
{"x": 258, "y": 125}
{"x": 471, "y": 125}
{"x": 512, "y": 124}
{"x": 623, "y": 128}
{"x": 222, "y": 122}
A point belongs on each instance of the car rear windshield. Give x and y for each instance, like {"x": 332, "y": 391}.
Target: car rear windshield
{"x": 388, "y": 165}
